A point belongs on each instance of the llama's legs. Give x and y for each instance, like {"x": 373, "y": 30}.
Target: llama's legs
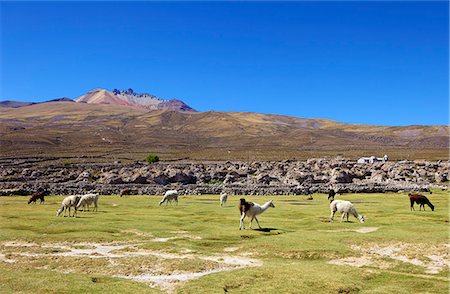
{"x": 176, "y": 200}
{"x": 347, "y": 216}
{"x": 257, "y": 221}
{"x": 241, "y": 223}
{"x": 251, "y": 222}
{"x": 342, "y": 218}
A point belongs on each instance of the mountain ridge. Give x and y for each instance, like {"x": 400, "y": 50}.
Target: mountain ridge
{"x": 117, "y": 131}
{"x": 126, "y": 98}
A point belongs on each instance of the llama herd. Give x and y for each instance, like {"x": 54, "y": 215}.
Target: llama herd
{"x": 247, "y": 209}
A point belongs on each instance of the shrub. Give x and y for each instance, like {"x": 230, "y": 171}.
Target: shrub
{"x": 151, "y": 158}
{"x": 67, "y": 163}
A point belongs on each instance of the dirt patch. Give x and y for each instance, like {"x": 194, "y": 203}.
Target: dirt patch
{"x": 169, "y": 282}
{"x": 352, "y": 261}
{"x": 179, "y": 235}
{"x": 231, "y": 249}
{"x": 364, "y": 230}
{"x": 433, "y": 258}
{"x": 157, "y": 269}
{"x": 3, "y": 258}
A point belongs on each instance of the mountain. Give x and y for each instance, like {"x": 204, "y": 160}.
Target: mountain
{"x": 106, "y": 132}
{"x": 130, "y": 98}
{"x": 117, "y": 97}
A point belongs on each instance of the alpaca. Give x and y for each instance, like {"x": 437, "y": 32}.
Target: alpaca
{"x": 421, "y": 200}
{"x": 223, "y": 199}
{"x": 251, "y": 210}
{"x": 87, "y": 200}
{"x": 169, "y": 196}
{"x": 38, "y": 195}
{"x": 331, "y": 195}
{"x": 125, "y": 192}
{"x": 346, "y": 207}
{"x": 67, "y": 203}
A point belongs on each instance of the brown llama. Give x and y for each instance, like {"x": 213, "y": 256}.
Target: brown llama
{"x": 419, "y": 199}
{"x": 38, "y": 195}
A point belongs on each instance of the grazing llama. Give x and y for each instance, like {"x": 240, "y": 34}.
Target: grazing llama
{"x": 67, "y": 203}
{"x": 125, "y": 192}
{"x": 346, "y": 207}
{"x": 87, "y": 200}
{"x": 38, "y": 195}
{"x": 421, "y": 200}
{"x": 251, "y": 210}
{"x": 169, "y": 196}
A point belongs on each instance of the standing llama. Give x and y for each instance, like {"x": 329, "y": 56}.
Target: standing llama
{"x": 251, "y": 210}
{"x": 223, "y": 199}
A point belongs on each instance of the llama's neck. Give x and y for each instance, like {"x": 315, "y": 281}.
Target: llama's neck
{"x": 265, "y": 206}
{"x": 355, "y": 214}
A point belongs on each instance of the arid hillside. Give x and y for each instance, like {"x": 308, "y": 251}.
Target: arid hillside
{"x": 107, "y": 132}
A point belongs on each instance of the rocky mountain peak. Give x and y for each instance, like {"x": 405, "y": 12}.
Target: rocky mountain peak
{"x": 130, "y": 98}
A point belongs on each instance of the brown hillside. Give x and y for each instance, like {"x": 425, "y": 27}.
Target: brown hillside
{"x": 107, "y": 131}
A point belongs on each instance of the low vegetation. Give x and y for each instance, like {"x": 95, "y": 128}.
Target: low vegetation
{"x": 152, "y": 158}
{"x": 197, "y": 247}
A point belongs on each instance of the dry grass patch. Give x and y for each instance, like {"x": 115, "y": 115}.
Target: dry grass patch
{"x": 433, "y": 258}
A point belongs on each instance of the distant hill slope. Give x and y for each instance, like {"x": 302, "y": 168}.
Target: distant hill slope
{"x": 15, "y": 104}
{"x": 110, "y": 131}
{"x": 18, "y": 104}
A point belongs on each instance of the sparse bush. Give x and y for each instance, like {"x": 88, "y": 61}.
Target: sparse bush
{"x": 67, "y": 163}
{"x": 215, "y": 182}
{"x": 151, "y": 158}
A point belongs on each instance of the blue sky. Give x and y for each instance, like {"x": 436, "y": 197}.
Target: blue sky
{"x": 383, "y": 63}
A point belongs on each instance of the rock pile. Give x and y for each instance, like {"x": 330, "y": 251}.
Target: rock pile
{"x": 239, "y": 178}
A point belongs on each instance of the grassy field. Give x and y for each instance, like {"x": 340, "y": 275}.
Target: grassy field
{"x": 132, "y": 245}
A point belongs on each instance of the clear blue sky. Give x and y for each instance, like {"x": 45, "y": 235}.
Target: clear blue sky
{"x": 382, "y": 63}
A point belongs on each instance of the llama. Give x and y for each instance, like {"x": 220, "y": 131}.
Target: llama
{"x": 331, "y": 195}
{"x": 125, "y": 192}
{"x": 67, "y": 203}
{"x": 38, "y": 195}
{"x": 223, "y": 199}
{"x": 251, "y": 210}
{"x": 87, "y": 200}
{"x": 169, "y": 196}
{"x": 419, "y": 199}
{"x": 346, "y": 207}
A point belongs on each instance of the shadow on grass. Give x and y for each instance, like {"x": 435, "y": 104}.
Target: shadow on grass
{"x": 266, "y": 230}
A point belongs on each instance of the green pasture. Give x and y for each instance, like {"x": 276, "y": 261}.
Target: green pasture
{"x": 297, "y": 247}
